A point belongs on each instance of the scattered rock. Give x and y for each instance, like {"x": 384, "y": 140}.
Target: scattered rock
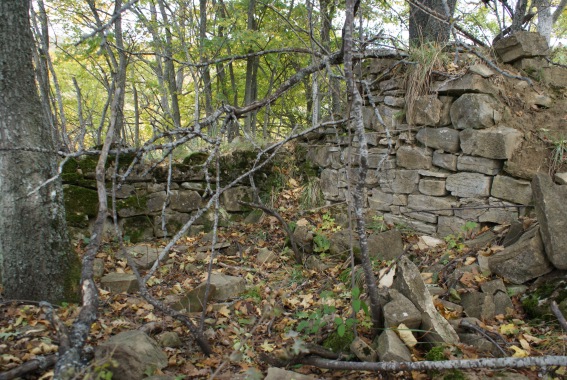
{"x": 134, "y": 352}
{"x": 478, "y": 305}
{"x": 363, "y": 351}
{"x": 169, "y": 339}
{"x": 275, "y": 373}
{"x": 230, "y": 198}
{"x": 98, "y": 268}
{"x": 391, "y": 348}
{"x": 227, "y": 286}
{"x": 386, "y": 245}
{"x": 265, "y": 256}
{"x": 523, "y": 260}
{"x": 408, "y": 281}
{"x": 552, "y": 216}
{"x": 401, "y": 310}
{"x": 144, "y": 255}
{"x": 120, "y": 282}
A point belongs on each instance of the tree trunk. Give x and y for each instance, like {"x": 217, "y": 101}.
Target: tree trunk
{"x": 423, "y": 27}
{"x": 37, "y": 260}
{"x": 205, "y": 72}
{"x": 251, "y": 86}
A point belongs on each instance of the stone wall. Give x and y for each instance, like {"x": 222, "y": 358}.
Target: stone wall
{"x": 453, "y": 156}
{"x": 141, "y": 199}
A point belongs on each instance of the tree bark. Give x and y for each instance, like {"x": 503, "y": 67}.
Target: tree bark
{"x": 37, "y": 262}
{"x": 251, "y": 86}
{"x": 424, "y": 26}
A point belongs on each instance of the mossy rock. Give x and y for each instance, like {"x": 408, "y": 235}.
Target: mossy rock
{"x": 196, "y": 158}
{"x": 138, "y": 228}
{"x": 134, "y": 202}
{"x": 72, "y": 281}
{"x": 78, "y": 180}
{"x": 81, "y": 204}
{"x": 337, "y": 343}
{"x": 70, "y": 166}
{"x": 537, "y": 302}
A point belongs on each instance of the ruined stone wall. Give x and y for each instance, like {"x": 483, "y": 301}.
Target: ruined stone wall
{"x": 456, "y": 155}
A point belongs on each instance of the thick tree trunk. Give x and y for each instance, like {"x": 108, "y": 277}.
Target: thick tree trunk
{"x": 425, "y": 27}
{"x": 37, "y": 261}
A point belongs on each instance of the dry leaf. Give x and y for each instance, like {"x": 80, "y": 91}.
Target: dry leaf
{"x": 406, "y": 335}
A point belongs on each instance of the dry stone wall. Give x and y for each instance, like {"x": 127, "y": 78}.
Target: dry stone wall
{"x": 444, "y": 160}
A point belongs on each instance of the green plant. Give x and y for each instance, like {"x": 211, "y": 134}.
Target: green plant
{"x": 311, "y": 195}
{"x": 558, "y": 154}
{"x": 377, "y": 224}
{"x": 456, "y": 241}
{"x": 321, "y": 243}
{"x": 328, "y": 223}
{"x": 437, "y": 353}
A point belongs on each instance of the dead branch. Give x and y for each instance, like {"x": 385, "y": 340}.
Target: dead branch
{"x": 41, "y": 363}
{"x": 297, "y": 254}
{"x": 539, "y": 361}
{"x": 555, "y": 310}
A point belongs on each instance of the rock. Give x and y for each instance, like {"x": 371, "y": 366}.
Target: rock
{"x": 340, "y": 243}
{"x": 134, "y": 352}
{"x": 500, "y": 212}
{"x": 98, "y": 268}
{"x": 445, "y": 161}
{"x": 434, "y": 205}
{"x": 482, "y": 70}
{"x": 426, "y": 110}
{"x": 434, "y": 187}
{"x": 391, "y": 348}
{"x": 315, "y": 263}
{"x": 446, "y": 139}
{"x": 227, "y": 287}
{"x": 186, "y": 200}
{"x": 230, "y": 198}
{"x": 521, "y": 45}
{"x": 363, "y": 351}
{"x": 330, "y": 184}
{"x": 478, "y": 305}
{"x": 173, "y": 223}
{"x": 450, "y": 225}
{"x": 555, "y": 76}
{"x": 469, "y": 185}
{"x": 408, "y": 223}
{"x": 430, "y": 242}
{"x": 401, "y": 310}
{"x": 399, "y": 181}
{"x": 475, "y": 111}
{"x": 303, "y": 236}
{"x": 408, "y": 281}
{"x": 120, "y": 282}
{"x": 169, "y": 339}
{"x": 481, "y": 240}
{"x": 523, "y": 260}
{"x": 413, "y": 157}
{"x": 394, "y": 101}
{"x": 265, "y": 256}
{"x": 469, "y": 82}
{"x": 195, "y": 298}
{"x": 510, "y": 189}
{"x": 498, "y": 142}
{"x": 379, "y": 200}
{"x": 481, "y": 344}
{"x": 479, "y": 165}
{"x": 552, "y": 216}
{"x": 275, "y": 373}
{"x": 514, "y": 233}
{"x": 143, "y": 255}
{"x": 321, "y": 155}
{"x": 423, "y": 216}
{"x": 386, "y": 245}
{"x": 561, "y": 178}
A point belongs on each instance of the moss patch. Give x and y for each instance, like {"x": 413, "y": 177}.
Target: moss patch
{"x": 337, "y": 343}
{"x": 196, "y": 158}
{"x": 138, "y": 228}
{"x": 80, "y": 205}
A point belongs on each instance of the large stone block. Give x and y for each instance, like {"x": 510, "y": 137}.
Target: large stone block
{"x": 391, "y": 348}
{"x": 408, "y": 281}
{"x": 230, "y": 198}
{"x": 466, "y": 84}
{"x": 521, "y": 45}
{"x": 500, "y": 212}
{"x": 418, "y": 215}
{"x": 410, "y": 223}
{"x": 555, "y": 76}
{"x": 522, "y": 261}
{"x": 330, "y": 183}
{"x": 450, "y": 225}
{"x": 386, "y": 245}
{"x": 511, "y": 189}
{"x": 469, "y": 185}
{"x": 497, "y": 143}
{"x": 399, "y": 181}
{"x": 479, "y": 165}
{"x": 414, "y": 157}
{"x": 426, "y": 110}
{"x": 552, "y": 216}
{"x": 434, "y": 205}
{"x": 185, "y": 200}
{"x": 445, "y": 160}
{"x": 446, "y": 139}
{"x": 379, "y": 200}
{"x": 476, "y": 111}
{"x": 435, "y": 187}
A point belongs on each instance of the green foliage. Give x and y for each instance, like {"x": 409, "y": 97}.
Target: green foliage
{"x": 311, "y": 195}
{"x": 337, "y": 343}
{"x": 456, "y": 241}
{"x": 436, "y": 353}
{"x": 454, "y": 375}
{"x": 377, "y": 224}
{"x": 321, "y": 243}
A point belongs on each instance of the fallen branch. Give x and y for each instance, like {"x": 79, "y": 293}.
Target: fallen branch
{"x": 41, "y": 363}
{"x": 555, "y": 310}
{"x": 538, "y": 361}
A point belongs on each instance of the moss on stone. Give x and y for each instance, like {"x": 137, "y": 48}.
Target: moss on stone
{"x": 80, "y": 205}
{"x": 196, "y": 158}
{"x": 137, "y": 228}
{"x": 72, "y": 282}
{"x": 70, "y": 166}
{"x": 78, "y": 180}
{"x": 134, "y": 201}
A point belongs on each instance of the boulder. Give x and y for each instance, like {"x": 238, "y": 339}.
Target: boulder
{"x": 401, "y": 310}
{"x": 144, "y": 255}
{"x": 521, "y": 45}
{"x": 386, "y": 245}
{"x": 173, "y": 223}
{"x": 134, "y": 352}
{"x": 479, "y": 165}
{"x": 445, "y": 160}
{"x": 185, "y": 200}
{"x": 523, "y": 260}
{"x": 425, "y": 110}
{"x": 169, "y": 339}
{"x": 446, "y": 139}
{"x": 497, "y": 142}
{"x": 408, "y": 281}
{"x": 120, "y": 282}
{"x": 475, "y": 111}
{"x": 414, "y": 157}
{"x": 265, "y": 256}
{"x": 469, "y": 184}
{"x": 226, "y": 286}
{"x": 510, "y": 189}
{"x": 552, "y": 216}
{"x": 391, "y": 348}
{"x": 478, "y": 305}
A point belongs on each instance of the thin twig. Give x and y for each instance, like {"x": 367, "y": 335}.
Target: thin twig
{"x": 555, "y": 310}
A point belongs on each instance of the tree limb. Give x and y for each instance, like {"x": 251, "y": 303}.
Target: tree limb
{"x": 555, "y": 310}
{"x": 41, "y": 363}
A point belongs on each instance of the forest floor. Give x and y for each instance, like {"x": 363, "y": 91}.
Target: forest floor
{"x": 284, "y": 304}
